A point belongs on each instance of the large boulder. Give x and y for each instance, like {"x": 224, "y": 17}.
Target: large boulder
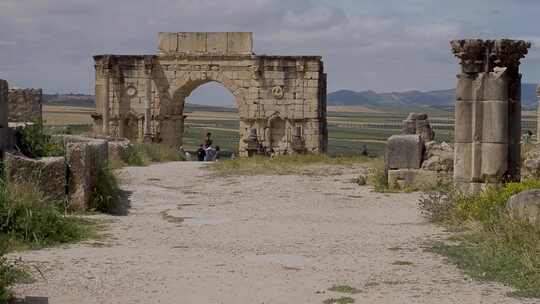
{"x": 404, "y": 152}
{"x": 525, "y": 206}
{"x": 49, "y": 174}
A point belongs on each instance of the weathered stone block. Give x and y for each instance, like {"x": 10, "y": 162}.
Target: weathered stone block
{"x": 85, "y": 156}
{"x": 216, "y": 43}
{"x": 404, "y": 152}
{"x": 119, "y": 149}
{"x": 192, "y": 43}
{"x": 462, "y": 161}
{"x": 464, "y": 88}
{"x": 464, "y": 129}
{"x": 495, "y": 86}
{"x": 168, "y": 42}
{"x": 495, "y": 122}
{"x": 415, "y": 179}
{"x": 79, "y": 186}
{"x": 49, "y": 174}
{"x": 494, "y": 161}
{"x": 525, "y": 206}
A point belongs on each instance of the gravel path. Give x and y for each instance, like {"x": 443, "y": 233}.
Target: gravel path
{"x": 192, "y": 237}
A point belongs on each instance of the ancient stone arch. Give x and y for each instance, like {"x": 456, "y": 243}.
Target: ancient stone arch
{"x": 152, "y": 89}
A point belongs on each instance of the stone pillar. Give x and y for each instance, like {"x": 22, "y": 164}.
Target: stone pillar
{"x": 148, "y": 101}
{"x": 6, "y": 138}
{"x": 106, "y": 97}
{"x": 488, "y": 112}
{"x": 538, "y": 116}
{"x": 3, "y": 104}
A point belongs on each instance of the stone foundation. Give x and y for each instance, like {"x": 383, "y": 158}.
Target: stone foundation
{"x": 25, "y": 105}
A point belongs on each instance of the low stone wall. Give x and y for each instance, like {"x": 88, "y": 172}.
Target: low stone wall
{"x": 25, "y": 105}
{"x": 72, "y": 178}
{"x": 49, "y": 174}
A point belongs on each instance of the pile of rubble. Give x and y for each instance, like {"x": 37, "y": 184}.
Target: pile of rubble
{"x": 414, "y": 160}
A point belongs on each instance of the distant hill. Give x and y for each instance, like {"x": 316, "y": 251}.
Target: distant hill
{"x": 440, "y": 98}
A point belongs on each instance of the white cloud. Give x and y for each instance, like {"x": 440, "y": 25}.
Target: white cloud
{"x": 376, "y": 44}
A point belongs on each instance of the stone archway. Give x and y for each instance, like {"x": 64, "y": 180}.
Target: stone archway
{"x": 172, "y": 130}
{"x": 155, "y": 87}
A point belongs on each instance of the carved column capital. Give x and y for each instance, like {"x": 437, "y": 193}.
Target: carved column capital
{"x": 508, "y": 53}
{"x": 478, "y": 55}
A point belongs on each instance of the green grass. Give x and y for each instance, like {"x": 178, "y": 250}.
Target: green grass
{"x": 69, "y": 129}
{"x": 344, "y": 289}
{"x": 488, "y": 244}
{"x": 106, "y": 195}
{"x": 29, "y": 220}
{"x": 282, "y": 165}
{"x": 342, "y": 300}
{"x": 11, "y": 272}
{"x": 141, "y": 155}
{"x": 33, "y": 142}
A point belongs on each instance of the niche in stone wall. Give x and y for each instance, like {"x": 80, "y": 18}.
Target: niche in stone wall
{"x": 278, "y": 132}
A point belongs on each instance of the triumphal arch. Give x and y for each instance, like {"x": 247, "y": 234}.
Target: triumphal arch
{"x": 281, "y": 99}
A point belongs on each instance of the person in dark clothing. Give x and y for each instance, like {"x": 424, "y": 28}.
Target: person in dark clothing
{"x": 201, "y": 153}
{"x": 208, "y": 141}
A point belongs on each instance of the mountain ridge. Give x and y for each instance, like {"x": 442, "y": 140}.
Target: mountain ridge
{"x": 435, "y": 98}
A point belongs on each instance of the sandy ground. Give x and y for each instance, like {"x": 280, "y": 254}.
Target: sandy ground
{"x": 192, "y": 237}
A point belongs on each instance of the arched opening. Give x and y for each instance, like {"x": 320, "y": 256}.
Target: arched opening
{"x": 211, "y": 108}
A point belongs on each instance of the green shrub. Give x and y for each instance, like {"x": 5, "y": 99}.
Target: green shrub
{"x": 106, "y": 194}
{"x": 34, "y": 143}
{"x": 27, "y": 218}
{"x": 11, "y": 272}
{"x": 490, "y": 245}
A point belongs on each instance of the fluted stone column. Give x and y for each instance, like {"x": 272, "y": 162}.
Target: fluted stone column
{"x": 488, "y": 112}
{"x": 106, "y": 97}
{"x": 148, "y": 66}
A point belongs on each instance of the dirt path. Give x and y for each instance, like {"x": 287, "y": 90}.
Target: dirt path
{"x": 191, "y": 237}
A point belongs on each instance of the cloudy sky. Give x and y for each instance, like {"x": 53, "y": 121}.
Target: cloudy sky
{"x": 383, "y": 45}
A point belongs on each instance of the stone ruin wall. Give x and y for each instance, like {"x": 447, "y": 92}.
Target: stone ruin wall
{"x": 283, "y": 98}
{"x": 488, "y": 112}
{"x": 25, "y": 105}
